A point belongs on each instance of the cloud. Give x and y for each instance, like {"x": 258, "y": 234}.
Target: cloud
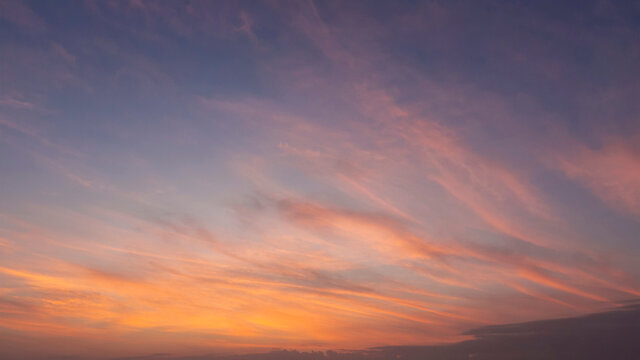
{"x": 21, "y": 15}
{"x": 63, "y": 53}
{"x": 593, "y": 336}
{"x": 17, "y": 103}
{"x": 309, "y": 175}
{"x": 611, "y": 171}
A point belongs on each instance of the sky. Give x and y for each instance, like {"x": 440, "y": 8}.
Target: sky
{"x": 228, "y": 177}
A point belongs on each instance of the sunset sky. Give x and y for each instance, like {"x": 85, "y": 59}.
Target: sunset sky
{"x": 240, "y": 176}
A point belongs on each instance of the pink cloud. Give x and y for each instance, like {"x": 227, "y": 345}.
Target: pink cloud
{"x": 611, "y": 171}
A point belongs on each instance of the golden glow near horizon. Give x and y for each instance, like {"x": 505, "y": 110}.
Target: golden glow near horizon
{"x": 173, "y": 181}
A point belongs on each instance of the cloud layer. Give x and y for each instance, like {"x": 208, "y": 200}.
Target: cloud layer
{"x": 230, "y": 177}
